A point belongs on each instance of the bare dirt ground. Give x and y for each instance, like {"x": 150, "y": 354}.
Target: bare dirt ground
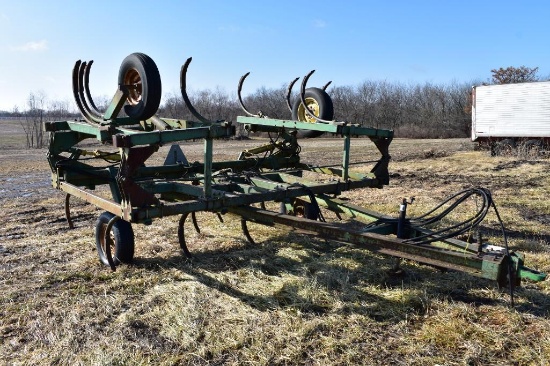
{"x": 289, "y": 300}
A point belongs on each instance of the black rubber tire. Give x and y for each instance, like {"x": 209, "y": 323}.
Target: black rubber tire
{"x": 326, "y": 110}
{"x": 122, "y": 235}
{"x": 140, "y": 70}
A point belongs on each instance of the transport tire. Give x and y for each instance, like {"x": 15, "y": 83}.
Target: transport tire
{"x": 139, "y": 72}
{"x": 121, "y": 240}
{"x": 318, "y": 102}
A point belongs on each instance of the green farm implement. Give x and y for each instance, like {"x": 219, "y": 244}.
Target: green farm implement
{"x": 131, "y": 190}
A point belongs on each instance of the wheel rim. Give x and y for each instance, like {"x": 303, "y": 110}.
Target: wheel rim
{"x": 313, "y": 107}
{"x": 132, "y": 79}
{"x": 110, "y": 242}
{"x": 299, "y": 210}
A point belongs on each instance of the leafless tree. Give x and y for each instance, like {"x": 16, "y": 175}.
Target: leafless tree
{"x": 174, "y": 107}
{"x": 513, "y": 74}
{"x": 270, "y": 102}
{"x": 34, "y": 118}
{"x": 415, "y": 111}
{"x": 59, "y": 110}
{"x": 102, "y": 102}
{"x": 354, "y": 104}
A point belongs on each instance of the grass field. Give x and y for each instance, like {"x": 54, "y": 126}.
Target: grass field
{"x": 290, "y": 299}
{"x": 12, "y": 134}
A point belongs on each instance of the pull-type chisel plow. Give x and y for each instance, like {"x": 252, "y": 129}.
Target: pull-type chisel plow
{"x": 140, "y": 193}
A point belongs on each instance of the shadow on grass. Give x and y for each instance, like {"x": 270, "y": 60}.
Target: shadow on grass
{"x": 326, "y": 276}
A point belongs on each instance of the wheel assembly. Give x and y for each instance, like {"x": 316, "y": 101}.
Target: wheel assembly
{"x": 140, "y": 75}
{"x": 319, "y": 103}
{"x": 118, "y": 241}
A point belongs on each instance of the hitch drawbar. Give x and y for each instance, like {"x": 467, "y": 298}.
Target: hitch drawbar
{"x": 491, "y": 263}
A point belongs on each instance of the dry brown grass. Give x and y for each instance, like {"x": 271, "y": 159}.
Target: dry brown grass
{"x": 13, "y": 135}
{"x": 290, "y": 299}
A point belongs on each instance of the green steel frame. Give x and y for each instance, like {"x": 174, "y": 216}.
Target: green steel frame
{"x": 273, "y": 172}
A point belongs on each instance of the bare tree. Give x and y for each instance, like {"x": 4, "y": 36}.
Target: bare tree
{"x": 102, "y": 102}
{"x": 34, "y": 117}
{"x": 174, "y": 107}
{"x": 415, "y": 111}
{"x": 512, "y": 75}
{"x": 270, "y": 102}
{"x": 355, "y": 104}
{"x": 59, "y": 110}
{"x": 389, "y": 111}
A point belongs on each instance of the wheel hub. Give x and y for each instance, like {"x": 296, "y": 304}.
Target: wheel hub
{"x": 313, "y": 107}
{"x": 132, "y": 80}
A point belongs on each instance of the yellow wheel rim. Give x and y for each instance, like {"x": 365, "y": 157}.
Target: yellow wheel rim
{"x": 313, "y": 107}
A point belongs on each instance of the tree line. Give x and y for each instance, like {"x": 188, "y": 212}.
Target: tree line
{"x": 414, "y": 111}
{"x": 426, "y": 110}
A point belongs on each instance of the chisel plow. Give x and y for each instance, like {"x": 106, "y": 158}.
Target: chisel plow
{"x": 140, "y": 192}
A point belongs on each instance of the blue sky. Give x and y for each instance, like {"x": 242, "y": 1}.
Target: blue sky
{"x": 345, "y": 41}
